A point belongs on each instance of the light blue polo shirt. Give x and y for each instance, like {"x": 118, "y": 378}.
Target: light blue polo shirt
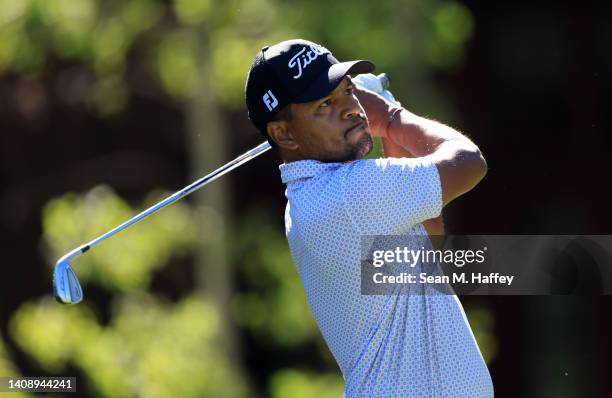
{"x": 386, "y": 346}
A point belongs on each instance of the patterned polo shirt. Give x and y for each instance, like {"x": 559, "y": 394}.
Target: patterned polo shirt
{"x": 399, "y": 345}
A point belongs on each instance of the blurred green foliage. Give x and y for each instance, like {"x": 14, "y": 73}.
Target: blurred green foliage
{"x": 291, "y": 383}
{"x": 401, "y": 37}
{"x": 275, "y": 304}
{"x": 150, "y": 348}
{"x": 452, "y": 26}
{"x": 175, "y": 57}
{"x": 127, "y": 263}
{"x": 482, "y": 323}
{"x": 8, "y": 369}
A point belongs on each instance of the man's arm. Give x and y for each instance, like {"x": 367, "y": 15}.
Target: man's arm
{"x": 433, "y": 226}
{"x": 458, "y": 160}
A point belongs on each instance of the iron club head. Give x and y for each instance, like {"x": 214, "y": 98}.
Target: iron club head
{"x": 66, "y": 286}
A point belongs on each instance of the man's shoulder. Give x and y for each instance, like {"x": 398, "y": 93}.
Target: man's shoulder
{"x": 306, "y": 170}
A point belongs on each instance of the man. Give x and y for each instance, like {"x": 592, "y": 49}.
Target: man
{"x": 304, "y": 102}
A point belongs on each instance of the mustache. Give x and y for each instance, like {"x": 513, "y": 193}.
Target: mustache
{"x": 356, "y": 121}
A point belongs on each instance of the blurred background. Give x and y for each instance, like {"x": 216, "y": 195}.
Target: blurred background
{"x": 108, "y": 106}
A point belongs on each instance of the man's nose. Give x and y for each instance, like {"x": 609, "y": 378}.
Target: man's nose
{"x": 352, "y": 107}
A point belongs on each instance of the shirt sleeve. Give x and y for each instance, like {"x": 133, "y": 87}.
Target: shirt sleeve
{"x": 391, "y": 195}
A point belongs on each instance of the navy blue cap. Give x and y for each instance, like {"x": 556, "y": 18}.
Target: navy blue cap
{"x": 293, "y": 71}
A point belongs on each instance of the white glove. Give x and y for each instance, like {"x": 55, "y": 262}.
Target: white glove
{"x": 373, "y": 83}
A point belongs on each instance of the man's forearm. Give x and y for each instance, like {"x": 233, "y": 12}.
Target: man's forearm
{"x": 405, "y": 130}
{"x": 394, "y": 150}
{"x": 420, "y": 136}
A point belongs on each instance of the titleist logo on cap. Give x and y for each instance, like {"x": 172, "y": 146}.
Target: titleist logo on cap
{"x": 303, "y": 58}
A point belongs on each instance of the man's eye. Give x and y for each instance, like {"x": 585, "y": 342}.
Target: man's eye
{"x": 350, "y": 90}
{"x": 325, "y": 103}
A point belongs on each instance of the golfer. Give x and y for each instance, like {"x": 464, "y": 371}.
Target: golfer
{"x": 303, "y": 101}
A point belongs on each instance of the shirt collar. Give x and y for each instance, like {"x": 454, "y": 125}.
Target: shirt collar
{"x": 304, "y": 169}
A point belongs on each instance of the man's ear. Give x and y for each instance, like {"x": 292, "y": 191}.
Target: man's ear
{"x": 280, "y": 132}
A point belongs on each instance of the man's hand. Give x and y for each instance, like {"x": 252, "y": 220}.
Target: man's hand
{"x": 371, "y": 95}
{"x": 380, "y": 112}
{"x": 377, "y": 85}
{"x": 377, "y": 109}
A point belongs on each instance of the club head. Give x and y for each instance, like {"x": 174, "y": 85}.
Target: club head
{"x": 66, "y": 286}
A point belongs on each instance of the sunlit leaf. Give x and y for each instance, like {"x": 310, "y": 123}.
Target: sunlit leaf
{"x": 192, "y": 12}
{"x": 140, "y": 15}
{"x": 291, "y": 383}
{"x": 11, "y": 11}
{"x": 176, "y": 64}
{"x": 453, "y": 26}
{"x": 52, "y": 333}
{"x": 110, "y": 42}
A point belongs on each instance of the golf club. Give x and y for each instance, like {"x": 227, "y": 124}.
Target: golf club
{"x": 66, "y": 286}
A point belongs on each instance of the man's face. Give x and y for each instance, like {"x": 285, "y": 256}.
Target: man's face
{"x": 331, "y": 129}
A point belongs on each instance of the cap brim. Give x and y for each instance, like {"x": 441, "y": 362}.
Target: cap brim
{"x": 327, "y": 82}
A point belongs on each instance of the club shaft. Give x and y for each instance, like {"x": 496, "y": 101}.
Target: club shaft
{"x": 245, "y": 157}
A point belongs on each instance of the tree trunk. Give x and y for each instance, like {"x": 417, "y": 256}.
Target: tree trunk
{"x": 207, "y": 148}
